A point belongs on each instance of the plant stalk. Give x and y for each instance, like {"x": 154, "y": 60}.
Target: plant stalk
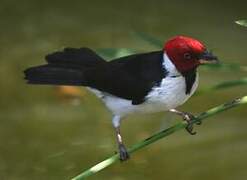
{"x": 109, "y": 161}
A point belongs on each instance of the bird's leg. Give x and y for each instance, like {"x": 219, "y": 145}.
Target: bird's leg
{"x": 186, "y": 117}
{"x": 123, "y": 153}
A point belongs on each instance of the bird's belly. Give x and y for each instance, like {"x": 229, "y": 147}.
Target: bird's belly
{"x": 170, "y": 94}
{"x": 123, "y": 107}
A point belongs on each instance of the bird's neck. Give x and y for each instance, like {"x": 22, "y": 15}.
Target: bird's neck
{"x": 169, "y": 66}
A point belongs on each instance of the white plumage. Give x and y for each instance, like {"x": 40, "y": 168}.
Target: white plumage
{"x": 168, "y": 95}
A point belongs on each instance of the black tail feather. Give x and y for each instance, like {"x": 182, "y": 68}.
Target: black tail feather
{"x": 75, "y": 57}
{"x": 48, "y": 74}
{"x": 64, "y": 67}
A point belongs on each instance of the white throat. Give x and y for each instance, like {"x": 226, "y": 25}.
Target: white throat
{"x": 169, "y": 66}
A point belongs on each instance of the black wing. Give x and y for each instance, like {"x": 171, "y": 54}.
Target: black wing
{"x": 130, "y": 77}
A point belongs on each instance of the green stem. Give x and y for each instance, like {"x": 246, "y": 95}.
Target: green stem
{"x": 109, "y": 161}
{"x": 224, "y": 85}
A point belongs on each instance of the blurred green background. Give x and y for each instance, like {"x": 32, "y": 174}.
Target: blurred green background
{"x": 44, "y": 136}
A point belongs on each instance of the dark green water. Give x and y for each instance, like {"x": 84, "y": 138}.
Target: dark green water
{"x": 44, "y": 138}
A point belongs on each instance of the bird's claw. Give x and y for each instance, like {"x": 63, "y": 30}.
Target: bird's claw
{"x": 189, "y": 129}
{"x": 198, "y": 122}
{"x": 188, "y": 118}
{"x": 123, "y": 153}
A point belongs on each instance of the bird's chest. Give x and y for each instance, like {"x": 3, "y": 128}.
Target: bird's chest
{"x": 169, "y": 94}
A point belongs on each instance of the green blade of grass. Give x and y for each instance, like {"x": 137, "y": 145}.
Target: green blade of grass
{"x": 157, "y": 136}
{"x": 225, "y": 66}
{"x": 149, "y": 39}
{"x": 242, "y": 22}
{"x": 112, "y": 53}
{"x": 223, "y": 85}
{"x": 228, "y": 84}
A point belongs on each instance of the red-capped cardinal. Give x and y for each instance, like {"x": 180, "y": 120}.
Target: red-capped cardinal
{"x": 142, "y": 83}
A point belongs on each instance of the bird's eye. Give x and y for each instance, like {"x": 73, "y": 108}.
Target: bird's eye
{"x": 187, "y": 56}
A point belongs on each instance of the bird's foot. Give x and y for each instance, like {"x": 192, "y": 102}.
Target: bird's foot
{"x": 123, "y": 153}
{"x": 188, "y": 118}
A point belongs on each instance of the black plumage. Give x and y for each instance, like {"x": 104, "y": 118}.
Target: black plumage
{"x": 190, "y": 77}
{"x": 130, "y": 77}
{"x": 75, "y": 58}
{"x": 64, "y": 67}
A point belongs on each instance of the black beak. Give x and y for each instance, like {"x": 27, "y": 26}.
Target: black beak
{"x": 207, "y": 57}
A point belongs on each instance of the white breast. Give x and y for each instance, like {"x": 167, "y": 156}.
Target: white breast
{"x": 169, "y": 94}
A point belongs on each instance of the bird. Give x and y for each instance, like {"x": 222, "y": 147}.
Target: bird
{"x": 148, "y": 82}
